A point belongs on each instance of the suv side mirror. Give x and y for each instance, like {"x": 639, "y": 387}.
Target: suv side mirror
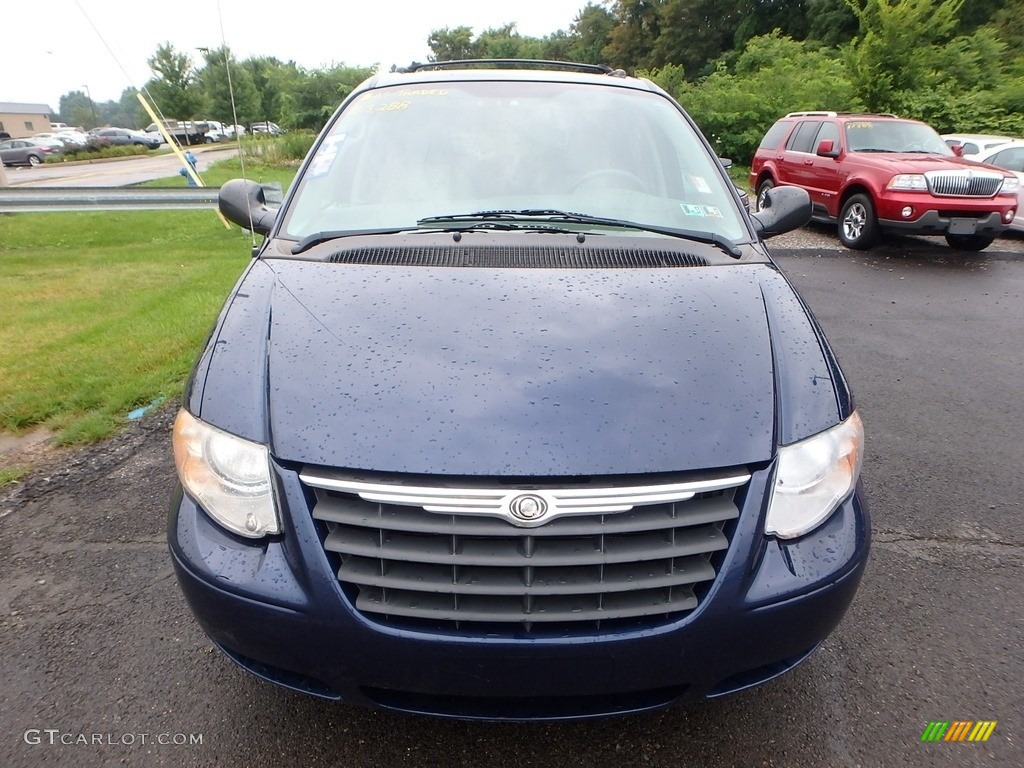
{"x": 245, "y": 203}
{"x": 782, "y": 209}
{"x": 827, "y": 148}
{"x": 958, "y": 149}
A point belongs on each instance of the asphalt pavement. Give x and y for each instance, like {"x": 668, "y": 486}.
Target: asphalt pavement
{"x": 102, "y": 663}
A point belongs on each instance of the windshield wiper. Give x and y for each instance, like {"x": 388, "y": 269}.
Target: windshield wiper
{"x": 473, "y": 222}
{"x": 326, "y": 236}
{"x": 569, "y": 217}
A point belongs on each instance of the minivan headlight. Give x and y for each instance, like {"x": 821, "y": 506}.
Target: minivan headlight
{"x": 227, "y": 475}
{"x": 813, "y": 477}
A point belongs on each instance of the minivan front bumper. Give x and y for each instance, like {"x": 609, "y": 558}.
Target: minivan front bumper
{"x": 276, "y": 608}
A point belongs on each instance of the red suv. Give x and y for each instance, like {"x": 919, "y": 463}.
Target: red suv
{"x": 879, "y": 173}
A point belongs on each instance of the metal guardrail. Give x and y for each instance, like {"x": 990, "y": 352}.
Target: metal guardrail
{"x": 47, "y": 199}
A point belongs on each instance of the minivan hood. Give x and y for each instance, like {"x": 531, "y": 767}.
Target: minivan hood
{"x": 518, "y": 371}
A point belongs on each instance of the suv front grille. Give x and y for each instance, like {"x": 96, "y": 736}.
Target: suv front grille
{"x": 405, "y": 565}
{"x": 968, "y": 183}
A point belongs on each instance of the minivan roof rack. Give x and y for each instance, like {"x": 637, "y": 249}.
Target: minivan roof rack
{"x": 599, "y": 69}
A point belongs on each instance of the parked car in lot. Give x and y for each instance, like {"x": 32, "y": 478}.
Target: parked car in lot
{"x": 973, "y": 144}
{"x": 53, "y": 143}
{"x": 876, "y": 174}
{"x": 1010, "y": 157}
{"x": 267, "y": 127}
{"x": 25, "y": 152}
{"x": 112, "y": 137}
{"x": 513, "y": 416}
{"x": 65, "y": 139}
{"x": 213, "y": 131}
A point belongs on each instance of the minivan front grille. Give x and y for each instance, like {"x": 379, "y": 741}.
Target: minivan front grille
{"x": 474, "y": 568}
{"x": 968, "y": 183}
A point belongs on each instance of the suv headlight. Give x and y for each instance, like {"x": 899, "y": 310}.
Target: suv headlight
{"x": 813, "y": 477}
{"x": 1010, "y": 185}
{"x": 228, "y": 476}
{"x": 908, "y": 182}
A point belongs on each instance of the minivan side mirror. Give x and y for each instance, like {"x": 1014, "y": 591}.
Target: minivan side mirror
{"x": 782, "y": 209}
{"x": 827, "y": 148}
{"x": 245, "y": 203}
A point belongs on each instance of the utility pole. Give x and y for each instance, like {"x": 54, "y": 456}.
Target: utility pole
{"x": 92, "y": 105}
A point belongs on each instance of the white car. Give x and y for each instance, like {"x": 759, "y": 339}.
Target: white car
{"x": 213, "y": 131}
{"x": 974, "y": 144}
{"x": 1010, "y": 157}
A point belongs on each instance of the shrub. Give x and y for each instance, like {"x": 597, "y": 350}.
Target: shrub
{"x": 88, "y": 153}
{"x": 773, "y": 75}
{"x": 289, "y": 148}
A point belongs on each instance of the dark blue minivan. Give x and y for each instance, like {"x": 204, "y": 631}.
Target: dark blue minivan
{"x": 512, "y": 415}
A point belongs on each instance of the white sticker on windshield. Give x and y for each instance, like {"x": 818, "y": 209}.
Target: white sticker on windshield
{"x": 701, "y": 184}
{"x": 692, "y": 210}
{"x": 325, "y": 156}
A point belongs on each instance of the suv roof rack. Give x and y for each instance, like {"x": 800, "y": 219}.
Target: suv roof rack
{"x": 599, "y": 69}
{"x": 841, "y": 114}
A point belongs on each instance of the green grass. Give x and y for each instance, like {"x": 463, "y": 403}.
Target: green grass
{"x": 221, "y": 171}
{"x": 740, "y": 174}
{"x": 10, "y": 475}
{"x": 104, "y": 312}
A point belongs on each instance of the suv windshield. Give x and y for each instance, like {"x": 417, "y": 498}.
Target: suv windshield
{"x": 398, "y": 155}
{"x": 894, "y": 136}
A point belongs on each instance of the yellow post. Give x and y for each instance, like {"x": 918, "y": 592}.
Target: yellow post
{"x": 176, "y": 149}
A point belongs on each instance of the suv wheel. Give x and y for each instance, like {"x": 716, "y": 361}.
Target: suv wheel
{"x": 762, "y": 190}
{"x": 858, "y": 227}
{"x": 969, "y": 242}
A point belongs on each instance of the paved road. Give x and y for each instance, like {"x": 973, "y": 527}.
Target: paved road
{"x": 96, "y": 641}
{"x": 112, "y": 173}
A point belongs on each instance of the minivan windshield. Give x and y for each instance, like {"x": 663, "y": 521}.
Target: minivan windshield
{"x": 398, "y": 155}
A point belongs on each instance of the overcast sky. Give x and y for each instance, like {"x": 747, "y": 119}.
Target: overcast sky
{"x": 57, "y": 50}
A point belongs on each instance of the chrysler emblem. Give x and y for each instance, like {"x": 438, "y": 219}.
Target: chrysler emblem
{"x": 528, "y": 507}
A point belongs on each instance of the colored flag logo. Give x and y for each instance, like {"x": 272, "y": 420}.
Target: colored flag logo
{"x": 959, "y": 730}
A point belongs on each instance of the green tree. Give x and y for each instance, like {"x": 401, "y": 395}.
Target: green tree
{"x": 124, "y": 111}
{"x": 637, "y": 28}
{"x": 590, "y": 34}
{"x": 1007, "y": 25}
{"x": 771, "y": 76}
{"x": 76, "y": 109}
{"x": 173, "y": 88}
{"x": 273, "y": 80}
{"x": 831, "y": 22}
{"x": 316, "y": 94}
{"x": 897, "y": 45}
{"x": 218, "y": 89}
{"x": 695, "y": 33}
{"x": 452, "y": 44}
{"x": 506, "y": 43}
{"x": 760, "y": 17}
